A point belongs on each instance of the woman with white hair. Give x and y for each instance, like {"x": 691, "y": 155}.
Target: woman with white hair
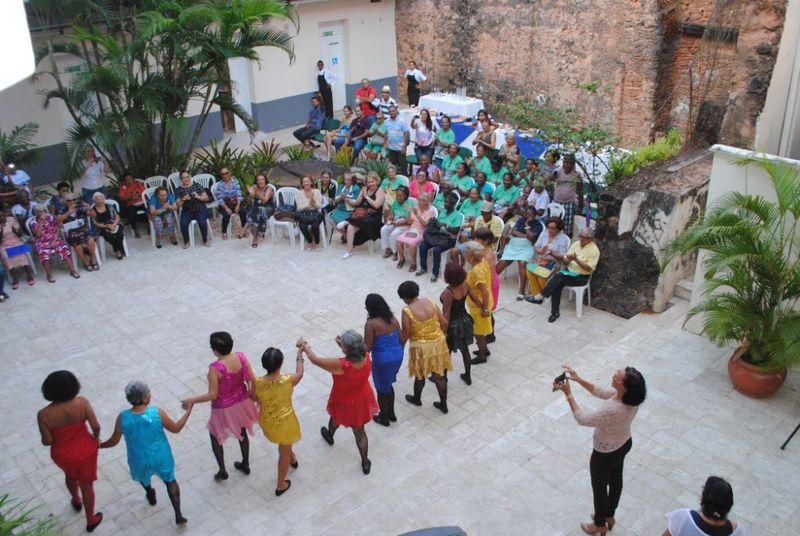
{"x": 78, "y": 236}
{"x": 352, "y": 402}
{"x": 106, "y": 219}
{"x": 149, "y": 452}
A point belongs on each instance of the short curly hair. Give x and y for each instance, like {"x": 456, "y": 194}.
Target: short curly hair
{"x": 60, "y": 386}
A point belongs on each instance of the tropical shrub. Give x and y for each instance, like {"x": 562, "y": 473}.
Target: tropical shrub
{"x": 752, "y": 270}
{"x": 343, "y": 156}
{"x": 17, "y": 519}
{"x": 297, "y": 152}
{"x": 17, "y": 146}
{"x": 625, "y": 164}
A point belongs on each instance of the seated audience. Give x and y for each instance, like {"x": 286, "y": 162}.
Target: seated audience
{"x": 25, "y": 209}
{"x": 364, "y": 224}
{"x": 75, "y": 221}
{"x": 509, "y": 152}
{"x": 504, "y": 197}
{"x": 419, "y": 218}
{"x": 445, "y": 137}
{"x": 480, "y": 162}
{"x": 391, "y": 182}
{"x": 130, "y": 200}
{"x": 191, "y": 200}
{"x": 498, "y": 171}
{"x": 580, "y": 262}
{"x": 376, "y": 138}
{"x": 450, "y": 162}
{"x": 519, "y": 245}
{"x": 438, "y": 200}
{"x": 487, "y": 220}
{"x": 425, "y": 164}
{"x": 538, "y": 198}
{"x": 308, "y": 205}
{"x": 440, "y": 237}
{"x": 230, "y": 201}
{"x": 549, "y": 250}
{"x": 327, "y": 187}
{"x": 485, "y": 187}
{"x": 338, "y": 137}
{"x": 461, "y": 181}
{"x": 106, "y": 219}
{"x": 344, "y": 204}
{"x": 47, "y": 240}
{"x": 529, "y": 174}
{"x": 470, "y": 207}
{"x": 421, "y": 184}
{"x": 57, "y": 204}
{"x": 396, "y": 217}
{"x": 357, "y": 136}
{"x": 15, "y": 178}
{"x": 163, "y": 210}
{"x": 486, "y": 136}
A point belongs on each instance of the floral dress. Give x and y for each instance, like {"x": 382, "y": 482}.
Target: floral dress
{"x": 261, "y": 212}
{"x": 44, "y": 243}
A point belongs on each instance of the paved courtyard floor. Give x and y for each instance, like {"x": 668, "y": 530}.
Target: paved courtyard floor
{"x": 508, "y": 459}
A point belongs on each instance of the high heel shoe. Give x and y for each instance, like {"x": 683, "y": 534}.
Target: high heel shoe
{"x": 610, "y": 523}
{"x": 593, "y": 530}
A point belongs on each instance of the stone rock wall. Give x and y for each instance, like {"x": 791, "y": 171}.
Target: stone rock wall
{"x": 636, "y": 221}
{"x": 637, "y": 51}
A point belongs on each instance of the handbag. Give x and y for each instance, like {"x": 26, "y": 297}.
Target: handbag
{"x": 284, "y": 212}
{"x": 539, "y": 270}
{"x": 231, "y": 202}
{"x": 359, "y": 212}
{"x": 435, "y": 236}
{"x": 308, "y": 217}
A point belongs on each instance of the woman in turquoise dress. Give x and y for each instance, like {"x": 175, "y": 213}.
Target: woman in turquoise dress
{"x": 149, "y": 452}
{"x": 345, "y": 197}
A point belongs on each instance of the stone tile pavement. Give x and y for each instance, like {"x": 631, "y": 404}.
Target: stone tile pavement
{"x": 507, "y": 459}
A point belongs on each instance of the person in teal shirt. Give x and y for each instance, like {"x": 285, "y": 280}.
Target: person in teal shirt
{"x": 376, "y": 139}
{"x": 481, "y": 161}
{"x": 396, "y": 220}
{"x": 444, "y": 138}
{"x": 485, "y": 187}
{"x": 450, "y": 162}
{"x": 462, "y": 182}
{"x": 504, "y": 197}
{"x": 450, "y": 222}
{"x": 471, "y": 206}
{"x": 391, "y": 182}
{"x": 497, "y": 173}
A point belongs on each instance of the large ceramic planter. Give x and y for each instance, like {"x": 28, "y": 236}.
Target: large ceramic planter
{"x": 753, "y": 381}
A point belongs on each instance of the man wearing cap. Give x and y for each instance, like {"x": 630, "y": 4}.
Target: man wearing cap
{"x": 487, "y": 220}
{"x": 397, "y": 136}
{"x": 325, "y": 81}
{"x": 385, "y": 101}
{"x": 579, "y": 262}
{"x": 364, "y": 97}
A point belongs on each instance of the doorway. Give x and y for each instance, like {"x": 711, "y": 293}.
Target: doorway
{"x": 332, "y": 46}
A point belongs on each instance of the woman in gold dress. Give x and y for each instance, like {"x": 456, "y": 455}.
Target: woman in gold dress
{"x": 423, "y": 325}
{"x": 479, "y": 300}
{"x": 277, "y": 418}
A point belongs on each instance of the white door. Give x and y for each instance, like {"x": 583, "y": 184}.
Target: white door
{"x": 332, "y": 41}
{"x": 240, "y": 80}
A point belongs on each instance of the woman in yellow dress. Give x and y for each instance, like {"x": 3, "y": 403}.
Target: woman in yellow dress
{"x": 479, "y": 299}
{"x": 277, "y": 418}
{"x": 424, "y": 326}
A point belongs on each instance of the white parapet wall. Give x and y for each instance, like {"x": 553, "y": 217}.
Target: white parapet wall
{"x": 728, "y": 175}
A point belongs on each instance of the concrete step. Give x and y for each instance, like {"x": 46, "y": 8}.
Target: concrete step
{"x": 684, "y": 289}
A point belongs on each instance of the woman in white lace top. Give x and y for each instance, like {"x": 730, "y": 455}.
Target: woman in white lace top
{"x": 612, "y": 437}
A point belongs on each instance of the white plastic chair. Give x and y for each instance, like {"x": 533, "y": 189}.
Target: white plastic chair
{"x": 29, "y": 254}
{"x": 146, "y": 195}
{"x": 284, "y": 196}
{"x": 556, "y": 210}
{"x": 436, "y": 190}
{"x": 458, "y": 196}
{"x": 101, "y": 242}
{"x": 403, "y": 179}
{"x": 578, "y": 293}
{"x": 173, "y": 181}
{"x": 322, "y": 235}
{"x": 155, "y": 181}
{"x": 206, "y": 180}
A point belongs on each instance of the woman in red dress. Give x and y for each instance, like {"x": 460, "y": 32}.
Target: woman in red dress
{"x": 352, "y": 402}
{"x": 62, "y": 424}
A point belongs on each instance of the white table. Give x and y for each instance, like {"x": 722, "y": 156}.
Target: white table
{"x": 451, "y": 104}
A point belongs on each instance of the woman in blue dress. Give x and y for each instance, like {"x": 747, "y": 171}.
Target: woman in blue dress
{"x": 149, "y": 452}
{"x": 382, "y": 338}
{"x": 344, "y": 203}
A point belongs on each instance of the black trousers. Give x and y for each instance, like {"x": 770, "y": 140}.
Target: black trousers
{"x": 413, "y": 96}
{"x": 226, "y": 218}
{"x": 309, "y": 226}
{"x": 129, "y": 211}
{"x": 553, "y": 288}
{"x": 605, "y": 469}
{"x": 327, "y": 100}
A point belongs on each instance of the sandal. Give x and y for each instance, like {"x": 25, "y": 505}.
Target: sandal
{"x": 400, "y": 263}
{"x": 15, "y": 286}
{"x": 51, "y": 279}
{"x": 96, "y": 267}
{"x": 412, "y": 268}
{"x": 73, "y": 273}
{"x": 88, "y": 267}
{"x": 31, "y": 282}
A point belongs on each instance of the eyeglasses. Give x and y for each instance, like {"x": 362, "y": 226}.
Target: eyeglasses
{"x": 225, "y": 173}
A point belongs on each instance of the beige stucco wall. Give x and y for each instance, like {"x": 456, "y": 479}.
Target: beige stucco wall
{"x": 778, "y": 127}
{"x": 369, "y": 48}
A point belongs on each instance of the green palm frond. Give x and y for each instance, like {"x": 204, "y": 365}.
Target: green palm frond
{"x": 17, "y": 145}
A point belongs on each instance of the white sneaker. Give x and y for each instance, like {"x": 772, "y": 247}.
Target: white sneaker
{"x": 347, "y": 255}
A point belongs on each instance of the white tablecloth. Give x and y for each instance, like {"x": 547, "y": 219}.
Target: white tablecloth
{"x": 451, "y": 104}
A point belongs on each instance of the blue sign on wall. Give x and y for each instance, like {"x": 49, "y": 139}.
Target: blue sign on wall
{"x": 334, "y": 61}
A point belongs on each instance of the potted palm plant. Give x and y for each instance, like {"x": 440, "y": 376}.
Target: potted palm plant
{"x": 752, "y": 276}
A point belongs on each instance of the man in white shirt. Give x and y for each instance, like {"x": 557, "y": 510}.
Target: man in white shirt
{"x": 9, "y": 174}
{"x": 414, "y": 77}
{"x": 539, "y": 199}
{"x": 385, "y": 101}
{"x": 325, "y": 81}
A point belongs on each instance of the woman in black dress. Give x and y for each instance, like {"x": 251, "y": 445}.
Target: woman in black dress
{"x": 459, "y": 322}
{"x": 366, "y": 222}
{"x": 107, "y": 221}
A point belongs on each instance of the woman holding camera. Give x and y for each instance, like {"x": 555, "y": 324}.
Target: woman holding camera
{"x": 612, "y": 437}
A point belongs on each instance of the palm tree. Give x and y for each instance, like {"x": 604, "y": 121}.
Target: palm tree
{"x": 144, "y": 62}
{"x": 752, "y": 269}
{"x": 17, "y": 146}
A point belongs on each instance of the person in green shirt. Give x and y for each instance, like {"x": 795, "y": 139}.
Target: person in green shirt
{"x": 481, "y": 161}
{"x": 504, "y": 197}
{"x": 396, "y": 220}
{"x": 450, "y": 162}
{"x": 462, "y": 182}
{"x": 471, "y": 209}
{"x": 497, "y": 173}
{"x": 391, "y": 182}
{"x": 438, "y": 201}
{"x": 450, "y": 222}
{"x": 444, "y": 138}
{"x": 376, "y": 138}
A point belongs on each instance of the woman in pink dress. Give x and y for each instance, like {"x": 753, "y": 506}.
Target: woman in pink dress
{"x": 48, "y": 242}
{"x": 232, "y": 411}
{"x": 13, "y": 249}
{"x": 421, "y": 215}
{"x": 421, "y": 185}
